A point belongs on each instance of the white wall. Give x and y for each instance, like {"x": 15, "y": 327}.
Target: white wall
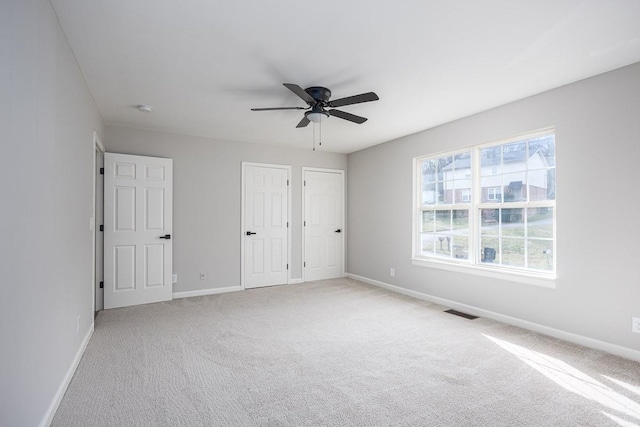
{"x": 598, "y": 251}
{"x": 47, "y": 118}
{"x": 207, "y": 198}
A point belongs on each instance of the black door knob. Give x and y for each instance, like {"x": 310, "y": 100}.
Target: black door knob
{"x": 249, "y": 233}
{"x": 166, "y": 236}
{"x": 338, "y": 231}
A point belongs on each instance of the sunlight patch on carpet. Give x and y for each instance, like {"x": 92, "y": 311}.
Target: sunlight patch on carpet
{"x": 573, "y": 380}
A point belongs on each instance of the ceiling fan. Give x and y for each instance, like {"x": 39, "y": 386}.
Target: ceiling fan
{"x": 317, "y": 99}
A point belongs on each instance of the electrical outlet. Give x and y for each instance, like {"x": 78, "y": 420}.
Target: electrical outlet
{"x": 392, "y": 272}
{"x": 635, "y": 325}
{"x": 174, "y": 278}
{"x": 202, "y": 276}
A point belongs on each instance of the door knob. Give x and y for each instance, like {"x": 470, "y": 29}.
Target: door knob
{"x": 338, "y": 231}
{"x": 166, "y": 236}
{"x": 249, "y": 233}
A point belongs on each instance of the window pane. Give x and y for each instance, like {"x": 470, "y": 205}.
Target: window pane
{"x": 429, "y": 194}
{"x": 429, "y": 170}
{"x": 428, "y": 221}
{"x": 514, "y": 190}
{"x": 490, "y": 161}
{"x": 540, "y": 222}
{"x": 461, "y": 187}
{"x": 514, "y": 157}
{"x": 489, "y": 222}
{"x": 512, "y": 222}
{"x": 538, "y": 183}
{"x": 551, "y": 184}
{"x": 443, "y": 245}
{"x": 460, "y": 246}
{"x": 513, "y": 252}
{"x": 460, "y": 234}
{"x": 546, "y": 147}
{"x": 443, "y": 221}
{"x": 489, "y": 247}
{"x": 427, "y": 243}
{"x": 446, "y": 176}
{"x": 540, "y": 254}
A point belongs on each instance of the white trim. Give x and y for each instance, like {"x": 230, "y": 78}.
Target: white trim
{"x": 62, "y": 388}
{"x": 528, "y": 278}
{"x": 614, "y": 349}
{"x": 342, "y": 219}
{"x": 289, "y": 219}
{"x": 296, "y": 281}
{"x": 97, "y": 146}
{"x": 203, "y": 292}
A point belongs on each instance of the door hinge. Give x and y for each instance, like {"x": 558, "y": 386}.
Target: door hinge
{"x": 287, "y": 224}
{"x": 287, "y": 266}
{"x": 101, "y": 285}
{"x": 305, "y": 223}
{"x": 305, "y": 183}
{"x": 287, "y": 182}
{"x": 101, "y": 227}
{"x": 101, "y": 171}
{"x": 305, "y": 264}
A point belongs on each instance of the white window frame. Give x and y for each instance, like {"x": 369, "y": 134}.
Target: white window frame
{"x": 473, "y": 265}
{"x": 497, "y": 193}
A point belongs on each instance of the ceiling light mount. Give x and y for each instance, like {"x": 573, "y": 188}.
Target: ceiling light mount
{"x": 144, "y": 108}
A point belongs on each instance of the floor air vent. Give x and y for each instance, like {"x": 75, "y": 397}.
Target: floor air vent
{"x": 461, "y": 314}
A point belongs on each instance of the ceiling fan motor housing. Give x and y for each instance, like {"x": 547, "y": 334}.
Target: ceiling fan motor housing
{"x": 319, "y": 93}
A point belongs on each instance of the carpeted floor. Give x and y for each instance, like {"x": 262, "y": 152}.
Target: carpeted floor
{"x": 336, "y": 353}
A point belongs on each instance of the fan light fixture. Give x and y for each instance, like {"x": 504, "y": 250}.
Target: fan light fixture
{"x": 316, "y": 117}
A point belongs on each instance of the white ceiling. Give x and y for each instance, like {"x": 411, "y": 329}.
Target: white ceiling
{"x": 202, "y": 64}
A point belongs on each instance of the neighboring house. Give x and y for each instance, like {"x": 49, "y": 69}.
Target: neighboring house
{"x": 506, "y": 177}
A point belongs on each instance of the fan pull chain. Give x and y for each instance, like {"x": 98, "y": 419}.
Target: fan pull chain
{"x": 314, "y": 137}
{"x": 320, "y": 124}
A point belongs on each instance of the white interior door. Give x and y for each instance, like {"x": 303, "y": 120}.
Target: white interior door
{"x": 323, "y": 224}
{"x": 265, "y": 225}
{"x": 138, "y": 194}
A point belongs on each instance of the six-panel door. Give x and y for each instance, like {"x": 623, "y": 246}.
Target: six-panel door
{"x": 265, "y": 226}
{"x": 137, "y": 230}
{"x": 323, "y": 227}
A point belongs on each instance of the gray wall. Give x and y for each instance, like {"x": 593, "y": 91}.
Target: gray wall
{"x": 47, "y": 119}
{"x": 207, "y": 198}
{"x": 598, "y": 251}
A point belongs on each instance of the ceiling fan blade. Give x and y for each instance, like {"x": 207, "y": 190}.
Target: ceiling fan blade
{"x": 304, "y": 122}
{"x": 300, "y": 92}
{"x": 278, "y": 108}
{"x": 355, "y": 99}
{"x": 347, "y": 116}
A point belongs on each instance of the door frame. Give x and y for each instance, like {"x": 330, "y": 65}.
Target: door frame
{"x": 97, "y": 147}
{"x": 342, "y": 216}
{"x": 242, "y": 211}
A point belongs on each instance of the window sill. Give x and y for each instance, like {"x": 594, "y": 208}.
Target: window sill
{"x": 542, "y": 280}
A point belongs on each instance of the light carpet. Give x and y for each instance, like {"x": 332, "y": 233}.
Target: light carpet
{"x": 336, "y": 353}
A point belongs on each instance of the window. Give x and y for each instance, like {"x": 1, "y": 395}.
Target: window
{"x": 494, "y": 193}
{"x": 490, "y": 207}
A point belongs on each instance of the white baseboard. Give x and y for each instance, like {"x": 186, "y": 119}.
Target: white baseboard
{"x": 296, "y": 281}
{"x": 212, "y": 291}
{"x": 62, "y": 389}
{"x": 614, "y": 349}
